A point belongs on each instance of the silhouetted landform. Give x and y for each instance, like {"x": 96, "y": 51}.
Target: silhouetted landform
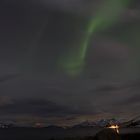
{"x": 56, "y": 133}
{"x": 103, "y": 123}
{"x": 107, "y": 134}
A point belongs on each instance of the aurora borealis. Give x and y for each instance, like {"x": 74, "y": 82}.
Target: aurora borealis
{"x": 107, "y": 15}
{"x": 66, "y": 62}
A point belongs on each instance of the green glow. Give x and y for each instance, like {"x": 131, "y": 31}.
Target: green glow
{"x": 107, "y": 15}
{"x": 72, "y": 63}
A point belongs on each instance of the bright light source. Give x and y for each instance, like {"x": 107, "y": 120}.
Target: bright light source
{"x": 115, "y": 127}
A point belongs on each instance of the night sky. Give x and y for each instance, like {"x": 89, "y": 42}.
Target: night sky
{"x": 65, "y": 61}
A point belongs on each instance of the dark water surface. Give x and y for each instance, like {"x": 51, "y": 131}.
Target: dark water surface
{"x": 49, "y": 134}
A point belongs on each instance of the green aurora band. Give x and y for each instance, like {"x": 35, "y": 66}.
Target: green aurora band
{"x": 107, "y": 15}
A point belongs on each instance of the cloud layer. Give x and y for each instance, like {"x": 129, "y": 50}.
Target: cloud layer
{"x": 33, "y": 37}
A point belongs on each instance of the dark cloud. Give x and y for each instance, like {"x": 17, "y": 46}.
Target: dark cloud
{"x": 38, "y": 107}
{"x": 82, "y": 7}
{"x": 5, "y": 100}
{"x": 9, "y": 77}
